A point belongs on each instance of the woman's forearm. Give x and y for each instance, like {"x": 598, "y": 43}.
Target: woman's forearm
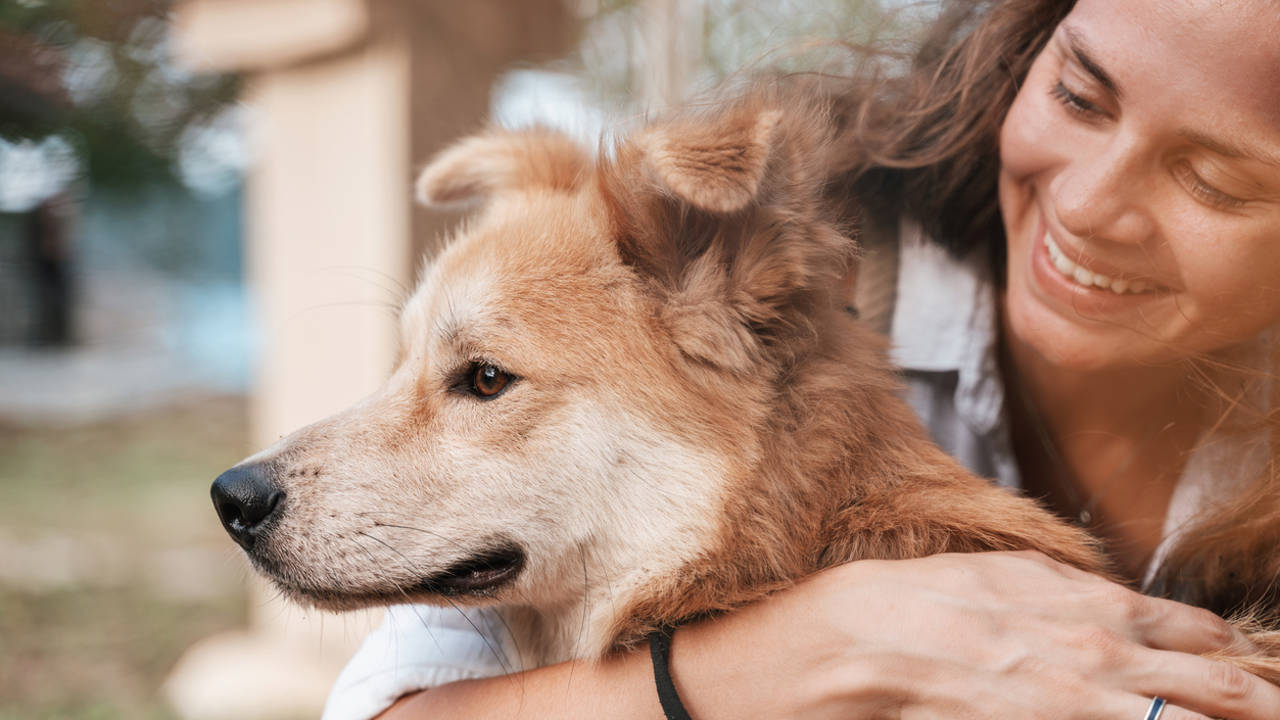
{"x": 733, "y": 666}
{"x": 741, "y": 664}
{"x": 619, "y": 687}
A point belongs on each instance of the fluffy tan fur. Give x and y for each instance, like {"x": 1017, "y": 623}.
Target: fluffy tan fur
{"x": 695, "y": 420}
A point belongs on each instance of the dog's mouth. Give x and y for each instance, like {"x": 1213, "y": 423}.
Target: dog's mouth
{"x": 481, "y": 574}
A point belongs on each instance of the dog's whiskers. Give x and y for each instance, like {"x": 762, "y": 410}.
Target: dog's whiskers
{"x": 515, "y": 642}
{"x": 498, "y": 655}
{"x": 400, "y": 589}
{"x": 586, "y": 607}
{"x": 380, "y": 305}
{"x": 396, "y": 289}
{"x": 379, "y": 523}
{"x": 604, "y": 570}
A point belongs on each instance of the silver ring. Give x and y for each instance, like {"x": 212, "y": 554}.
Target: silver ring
{"x": 1156, "y": 708}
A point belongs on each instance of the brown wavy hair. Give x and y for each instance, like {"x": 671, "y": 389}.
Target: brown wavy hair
{"x": 926, "y": 144}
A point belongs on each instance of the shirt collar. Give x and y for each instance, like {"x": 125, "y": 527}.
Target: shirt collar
{"x": 945, "y": 320}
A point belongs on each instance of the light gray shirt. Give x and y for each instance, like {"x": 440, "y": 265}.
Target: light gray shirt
{"x": 944, "y": 338}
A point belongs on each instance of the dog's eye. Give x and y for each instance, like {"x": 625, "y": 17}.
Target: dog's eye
{"x": 487, "y": 381}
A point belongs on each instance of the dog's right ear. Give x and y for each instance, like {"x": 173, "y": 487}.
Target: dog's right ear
{"x": 499, "y": 160}
{"x": 722, "y": 212}
{"x": 717, "y": 167}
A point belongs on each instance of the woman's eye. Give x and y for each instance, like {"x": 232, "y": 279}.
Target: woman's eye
{"x": 488, "y": 381}
{"x": 1205, "y": 192}
{"x": 1074, "y": 102}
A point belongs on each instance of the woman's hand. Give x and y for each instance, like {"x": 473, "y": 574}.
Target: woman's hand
{"x": 987, "y": 635}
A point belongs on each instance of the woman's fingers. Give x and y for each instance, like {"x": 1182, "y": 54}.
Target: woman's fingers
{"x": 1169, "y": 625}
{"x": 1208, "y": 686}
{"x": 1019, "y": 635}
{"x": 1162, "y": 624}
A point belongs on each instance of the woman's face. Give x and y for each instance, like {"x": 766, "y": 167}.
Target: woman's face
{"x": 1140, "y": 184}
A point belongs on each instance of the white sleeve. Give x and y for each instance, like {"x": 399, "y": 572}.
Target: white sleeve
{"x": 418, "y": 647}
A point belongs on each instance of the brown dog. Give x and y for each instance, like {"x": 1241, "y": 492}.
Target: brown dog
{"x": 627, "y": 393}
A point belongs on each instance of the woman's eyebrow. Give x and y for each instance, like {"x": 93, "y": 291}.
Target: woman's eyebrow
{"x": 1080, "y": 49}
{"x": 1227, "y": 149}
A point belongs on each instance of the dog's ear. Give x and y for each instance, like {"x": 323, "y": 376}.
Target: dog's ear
{"x": 725, "y": 215}
{"x": 716, "y": 166}
{"x": 498, "y": 160}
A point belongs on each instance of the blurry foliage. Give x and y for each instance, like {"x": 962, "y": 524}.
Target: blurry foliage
{"x": 740, "y": 37}
{"x": 97, "y": 73}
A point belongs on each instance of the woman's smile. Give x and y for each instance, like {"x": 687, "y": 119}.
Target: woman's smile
{"x": 1082, "y": 276}
{"x": 1080, "y": 285}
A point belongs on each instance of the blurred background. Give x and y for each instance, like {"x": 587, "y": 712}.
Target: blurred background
{"x": 205, "y": 232}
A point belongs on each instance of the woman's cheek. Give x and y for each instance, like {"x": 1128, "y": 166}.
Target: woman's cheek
{"x": 1232, "y": 276}
{"x": 1228, "y": 270}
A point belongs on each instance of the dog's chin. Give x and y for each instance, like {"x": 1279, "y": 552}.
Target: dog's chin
{"x": 479, "y": 577}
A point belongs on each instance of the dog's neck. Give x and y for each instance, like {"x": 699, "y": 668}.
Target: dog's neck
{"x": 817, "y": 451}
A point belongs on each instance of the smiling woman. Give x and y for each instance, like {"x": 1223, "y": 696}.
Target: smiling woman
{"x": 1141, "y": 206}
{"x": 1139, "y": 195}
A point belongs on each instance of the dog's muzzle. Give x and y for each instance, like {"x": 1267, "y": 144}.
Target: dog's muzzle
{"x": 245, "y": 497}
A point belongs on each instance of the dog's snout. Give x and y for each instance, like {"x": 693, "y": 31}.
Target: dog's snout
{"x": 245, "y": 497}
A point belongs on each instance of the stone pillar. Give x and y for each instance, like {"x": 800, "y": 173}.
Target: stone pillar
{"x": 328, "y": 247}
{"x": 345, "y": 97}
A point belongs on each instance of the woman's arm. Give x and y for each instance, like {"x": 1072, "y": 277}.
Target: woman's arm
{"x": 620, "y": 687}
{"x": 989, "y": 635}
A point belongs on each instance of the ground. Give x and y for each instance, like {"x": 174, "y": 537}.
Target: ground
{"x": 111, "y": 559}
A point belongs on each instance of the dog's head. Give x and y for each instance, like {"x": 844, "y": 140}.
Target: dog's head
{"x": 585, "y": 371}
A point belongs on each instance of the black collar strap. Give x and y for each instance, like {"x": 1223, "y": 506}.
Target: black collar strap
{"x": 660, "y": 651}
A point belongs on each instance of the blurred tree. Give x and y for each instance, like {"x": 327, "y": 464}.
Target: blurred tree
{"x": 722, "y": 39}
{"x": 96, "y": 73}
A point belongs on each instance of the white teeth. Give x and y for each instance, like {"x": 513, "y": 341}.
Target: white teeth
{"x": 1087, "y": 278}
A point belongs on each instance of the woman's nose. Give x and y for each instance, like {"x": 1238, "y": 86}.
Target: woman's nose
{"x": 1106, "y": 194}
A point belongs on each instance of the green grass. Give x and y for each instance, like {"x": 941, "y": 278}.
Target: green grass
{"x": 113, "y": 502}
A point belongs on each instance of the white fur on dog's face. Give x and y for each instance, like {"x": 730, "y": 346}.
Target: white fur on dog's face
{"x": 581, "y": 461}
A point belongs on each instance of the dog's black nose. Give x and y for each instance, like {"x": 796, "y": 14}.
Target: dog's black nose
{"x": 245, "y": 497}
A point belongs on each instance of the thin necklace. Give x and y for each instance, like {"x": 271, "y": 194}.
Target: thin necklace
{"x": 1083, "y": 509}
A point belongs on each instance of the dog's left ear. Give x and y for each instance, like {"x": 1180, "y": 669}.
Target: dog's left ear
{"x": 724, "y": 215}
{"x": 717, "y": 167}
{"x": 477, "y": 167}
